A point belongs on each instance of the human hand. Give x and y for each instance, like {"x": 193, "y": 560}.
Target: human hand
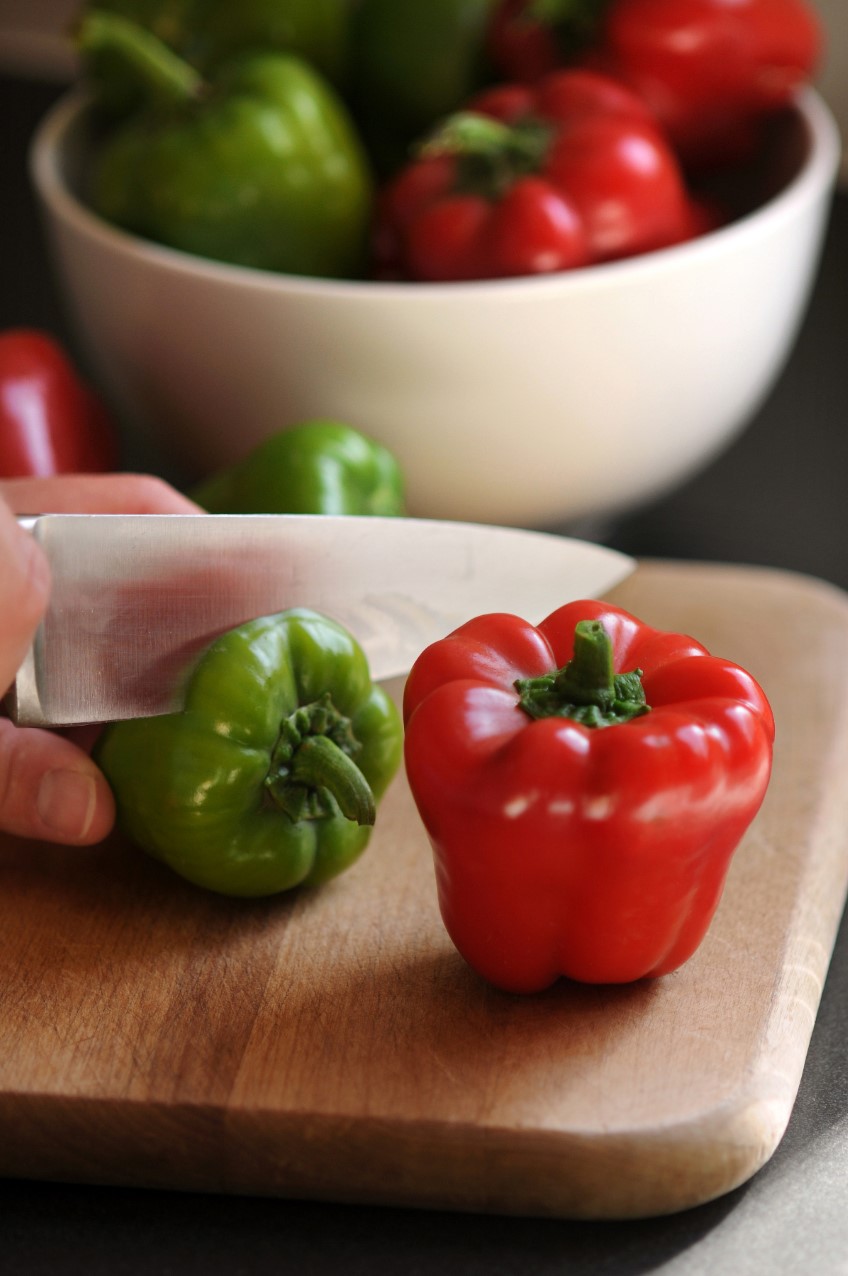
{"x": 49, "y": 786}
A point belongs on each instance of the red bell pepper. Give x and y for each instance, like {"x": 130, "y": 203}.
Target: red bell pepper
{"x": 582, "y": 821}
{"x": 51, "y": 421}
{"x": 531, "y": 180}
{"x": 709, "y": 70}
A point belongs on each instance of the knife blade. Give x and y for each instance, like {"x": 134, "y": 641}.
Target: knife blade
{"x": 135, "y": 599}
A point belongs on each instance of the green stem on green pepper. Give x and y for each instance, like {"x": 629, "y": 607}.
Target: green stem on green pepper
{"x": 314, "y": 756}
{"x": 160, "y": 72}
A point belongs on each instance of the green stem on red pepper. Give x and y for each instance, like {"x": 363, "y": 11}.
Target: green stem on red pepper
{"x": 490, "y": 154}
{"x": 587, "y": 689}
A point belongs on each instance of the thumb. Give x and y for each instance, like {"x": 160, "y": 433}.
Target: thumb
{"x": 49, "y": 788}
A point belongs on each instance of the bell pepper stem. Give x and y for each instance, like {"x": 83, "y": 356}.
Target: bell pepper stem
{"x": 588, "y": 676}
{"x": 161, "y": 73}
{"x": 313, "y": 757}
{"x": 587, "y": 689}
{"x": 468, "y": 132}
{"x": 321, "y": 764}
{"x": 490, "y": 154}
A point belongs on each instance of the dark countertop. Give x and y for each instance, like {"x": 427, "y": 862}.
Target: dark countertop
{"x": 775, "y": 498}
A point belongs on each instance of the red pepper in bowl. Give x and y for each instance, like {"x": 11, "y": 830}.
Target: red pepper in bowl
{"x": 51, "y": 420}
{"x": 532, "y": 180}
{"x": 708, "y": 69}
{"x": 582, "y": 820}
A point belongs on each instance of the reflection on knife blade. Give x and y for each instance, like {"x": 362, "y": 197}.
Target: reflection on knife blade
{"x": 136, "y": 598}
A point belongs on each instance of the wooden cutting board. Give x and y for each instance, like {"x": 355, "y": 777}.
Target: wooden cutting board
{"x": 331, "y": 1044}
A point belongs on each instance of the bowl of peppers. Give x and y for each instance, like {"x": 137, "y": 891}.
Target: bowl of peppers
{"x": 552, "y": 255}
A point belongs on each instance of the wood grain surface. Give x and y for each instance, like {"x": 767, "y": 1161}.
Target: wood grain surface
{"x": 331, "y": 1044}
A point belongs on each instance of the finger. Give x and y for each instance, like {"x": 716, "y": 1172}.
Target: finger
{"x": 51, "y": 790}
{"x": 95, "y": 494}
{"x": 24, "y": 589}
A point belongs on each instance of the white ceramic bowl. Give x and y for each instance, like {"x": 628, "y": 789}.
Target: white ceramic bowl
{"x": 529, "y": 401}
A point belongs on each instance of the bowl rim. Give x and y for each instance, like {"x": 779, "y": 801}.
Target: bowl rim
{"x": 817, "y": 175}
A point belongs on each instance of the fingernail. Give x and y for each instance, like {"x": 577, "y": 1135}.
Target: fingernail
{"x": 18, "y": 538}
{"x": 66, "y": 802}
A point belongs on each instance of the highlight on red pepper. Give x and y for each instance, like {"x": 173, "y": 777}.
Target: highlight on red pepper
{"x": 584, "y": 785}
{"x": 708, "y": 70}
{"x": 51, "y": 420}
{"x": 532, "y": 180}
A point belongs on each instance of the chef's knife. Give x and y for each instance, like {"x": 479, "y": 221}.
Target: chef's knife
{"x": 136, "y": 598}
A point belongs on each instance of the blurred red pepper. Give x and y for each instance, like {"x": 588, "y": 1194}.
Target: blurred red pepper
{"x": 51, "y": 422}
{"x": 709, "y": 70}
{"x": 528, "y": 39}
{"x": 531, "y": 180}
{"x": 582, "y": 820}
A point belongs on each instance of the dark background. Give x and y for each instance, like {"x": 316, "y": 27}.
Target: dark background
{"x": 776, "y": 498}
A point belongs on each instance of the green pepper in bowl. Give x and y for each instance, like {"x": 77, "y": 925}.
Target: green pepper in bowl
{"x": 259, "y": 165}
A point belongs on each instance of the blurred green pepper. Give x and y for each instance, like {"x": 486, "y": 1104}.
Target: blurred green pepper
{"x": 318, "y": 467}
{"x": 410, "y": 64}
{"x": 270, "y": 776}
{"x": 315, "y": 30}
{"x": 261, "y": 166}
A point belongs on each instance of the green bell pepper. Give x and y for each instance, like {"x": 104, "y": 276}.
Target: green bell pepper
{"x": 270, "y": 775}
{"x": 410, "y": 65}
{"x": 260, "y": 166}
{"x": 317, "y": 467}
